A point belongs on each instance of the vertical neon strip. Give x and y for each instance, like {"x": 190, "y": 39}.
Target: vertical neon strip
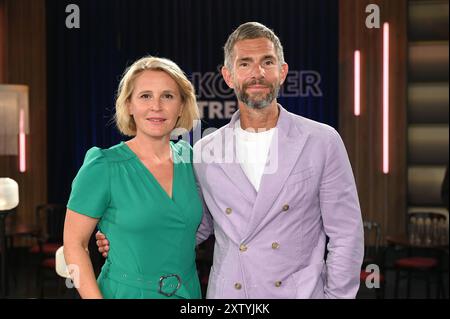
{"x": 22, "y": 140}
{"x": 386, "y": 98}
{"x": 357, "y": 83}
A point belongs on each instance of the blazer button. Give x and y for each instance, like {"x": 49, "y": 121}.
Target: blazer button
{"x": 277, "y": 283}
{"x": 228, "y": 211}
{"x": 285, "y": 207}
{"x": 275, "y": 245}
{"x": 242, "y": 248}
{"x": 238, "y": 286}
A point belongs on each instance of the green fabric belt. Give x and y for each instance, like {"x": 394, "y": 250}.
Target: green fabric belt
{"x": 165, "y": 283}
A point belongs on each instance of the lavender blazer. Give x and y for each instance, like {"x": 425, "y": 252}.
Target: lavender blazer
{"x": 271, "y": 243}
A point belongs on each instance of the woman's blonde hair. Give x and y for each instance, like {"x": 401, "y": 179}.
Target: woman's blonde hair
{"x": 125, "y": 122}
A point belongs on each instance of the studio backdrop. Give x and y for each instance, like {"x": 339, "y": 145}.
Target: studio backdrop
{"x": 85, "y": 64}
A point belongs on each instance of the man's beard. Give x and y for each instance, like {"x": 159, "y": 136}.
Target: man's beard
{"x": 257, "y": 103}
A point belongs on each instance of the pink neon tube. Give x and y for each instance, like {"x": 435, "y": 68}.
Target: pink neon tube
{"x": 357, "y": 83}
{"x": 22, "y": 145}
{"x": 386, "y": 98}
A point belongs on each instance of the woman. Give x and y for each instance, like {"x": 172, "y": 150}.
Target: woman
{"x": 141, "y": 193}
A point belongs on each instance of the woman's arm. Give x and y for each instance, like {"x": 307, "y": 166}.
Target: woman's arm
{"x": 78, "y": 229}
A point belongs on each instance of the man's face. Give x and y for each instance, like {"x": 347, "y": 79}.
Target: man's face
{"x": 256, "y": 76}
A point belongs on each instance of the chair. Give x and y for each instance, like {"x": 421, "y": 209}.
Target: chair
{"x": 373, "y": 256}
{"x": 50, "y": 222}
{"x": 15, "y": 231}
{"x": 425, "y": 247}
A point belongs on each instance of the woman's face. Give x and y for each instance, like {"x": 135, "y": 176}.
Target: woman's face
{"x": 155, "y": 103}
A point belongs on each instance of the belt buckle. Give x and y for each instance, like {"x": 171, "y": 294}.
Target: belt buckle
{"x": 161, "y": 281}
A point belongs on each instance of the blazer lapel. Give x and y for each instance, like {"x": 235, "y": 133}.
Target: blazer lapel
{"x": 285, "y": 149}
{"x": 230, "y": 163}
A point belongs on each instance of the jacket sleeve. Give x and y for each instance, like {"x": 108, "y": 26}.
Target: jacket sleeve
{"x": 342, "y": 221}
{"x": 206, "y": 227}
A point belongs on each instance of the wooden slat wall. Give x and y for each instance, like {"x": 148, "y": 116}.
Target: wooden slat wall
{"x": 382, "y": 197}
{"x": 24, "y": 54}
{"x": 3, "y": 40}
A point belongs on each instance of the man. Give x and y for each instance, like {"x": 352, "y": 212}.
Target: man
{"x": 275, "y": 185}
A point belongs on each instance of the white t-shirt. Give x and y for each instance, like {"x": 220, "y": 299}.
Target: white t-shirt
{"x": 252, "y": 150}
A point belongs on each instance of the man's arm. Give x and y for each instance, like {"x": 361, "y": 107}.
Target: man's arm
{"x": 342, "y": 221}
{"x": 206, "y": 227}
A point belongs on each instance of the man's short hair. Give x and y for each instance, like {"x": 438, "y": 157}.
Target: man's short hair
{"x": 251, "y": 30}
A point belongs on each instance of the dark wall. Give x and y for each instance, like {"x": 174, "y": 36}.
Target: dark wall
{"x": 85, "y": 64}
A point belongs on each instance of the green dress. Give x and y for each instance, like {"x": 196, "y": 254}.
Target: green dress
{"x": 152, "y": 236}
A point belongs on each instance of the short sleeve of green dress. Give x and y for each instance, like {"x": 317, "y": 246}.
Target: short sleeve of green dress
{"x": 151, "y": 235}
{"x": 90, "y": 189}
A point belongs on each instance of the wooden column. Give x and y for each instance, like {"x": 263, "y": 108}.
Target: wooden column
{"x": 382, "y": 196}
{"x": 3, "y": 41}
